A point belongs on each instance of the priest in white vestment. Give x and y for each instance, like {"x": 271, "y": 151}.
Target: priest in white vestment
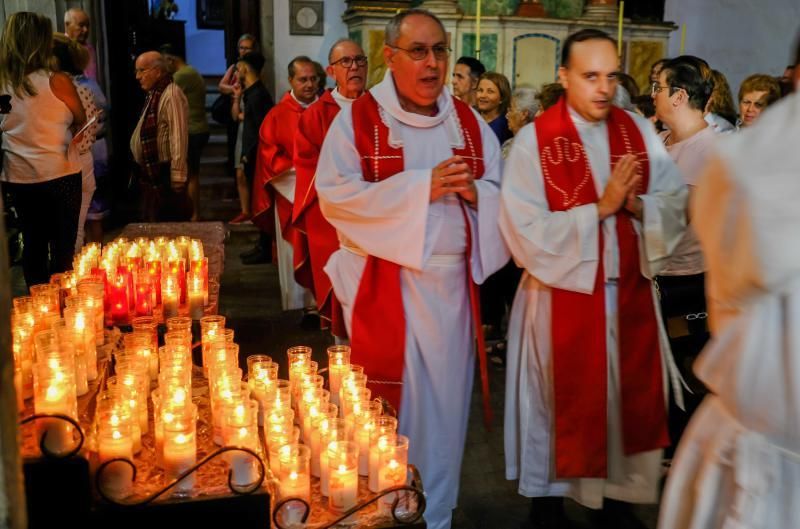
{"x": 738, "y": 464}
{"x": 405, "y": 200}
{"x": 576, "y": 249}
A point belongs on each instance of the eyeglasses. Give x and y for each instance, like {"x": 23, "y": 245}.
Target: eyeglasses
{"x": 656, "y": 88}
{"x": 347, "y": 62}
{"x": 419, "y": 53}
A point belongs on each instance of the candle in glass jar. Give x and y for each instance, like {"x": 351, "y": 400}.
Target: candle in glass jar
{"x": 145, "y": 298}
{"x": 177, "y": 268}
{"x": 343, "y": 476}
{"x": 393, "y": 466}
{"x": 338, "y": 365}
{"x": 295, "y": 478}
{"x": 180, "y": 453}
{"x": 197, "y": 296}
{"x": 118, "y": 296}
{"x": 170, "y": 296}
{"x": 116, "y": 442}
{"x": 54, "y": 399}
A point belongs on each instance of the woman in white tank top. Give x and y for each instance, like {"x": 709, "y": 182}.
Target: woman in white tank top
{"x": 40, "y": 171}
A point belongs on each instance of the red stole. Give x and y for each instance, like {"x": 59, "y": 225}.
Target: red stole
{"x": 315, "y": 239}
{"x": 579, "y": 320}
{"x": 379, "y": 326}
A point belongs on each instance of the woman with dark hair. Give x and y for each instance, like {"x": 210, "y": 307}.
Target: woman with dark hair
{"x": 41, "y": 169}
{"x": 681, "y": 95}
{"x": 494, "y": 98}
{"x": 71, "y": 58}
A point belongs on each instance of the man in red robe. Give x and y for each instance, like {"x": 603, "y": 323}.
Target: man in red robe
{"x": 274, "y": 181}
{"x": 592, "y": 208}
{"x": 316, "y": 239}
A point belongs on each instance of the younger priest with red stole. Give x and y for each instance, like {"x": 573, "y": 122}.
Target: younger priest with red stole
{"x": 274, "y": 181}
{"x": 316, "y": 240}
{"x": 592, "y": 207}
{"x": 409, "y": 177}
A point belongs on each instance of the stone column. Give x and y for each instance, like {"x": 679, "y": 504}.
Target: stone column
{"x": 601, "y": 9}
{"x": 531, "y": 8}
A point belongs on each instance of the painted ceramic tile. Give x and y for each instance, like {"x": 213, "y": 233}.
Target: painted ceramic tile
{"x": 488, "y": 49}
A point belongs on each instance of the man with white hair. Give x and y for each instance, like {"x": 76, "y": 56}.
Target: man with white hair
{"x": 76, "y": 27}
{"x": 409, "y": 176}
{"x": 347, "y": 65}
{"x": 160, "y": 142}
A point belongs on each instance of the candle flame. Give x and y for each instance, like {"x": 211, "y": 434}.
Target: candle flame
{"x": 242, "y": 432}
{"x": 116, "y": 435}
{"x": 181, "y": 438}
{"x": 52, "y": 393}
{"x": 293, "y": 476}
{"x": 114, "y": 420}
{"x": 342, "y": 469}
{"x": 393, "y": 464}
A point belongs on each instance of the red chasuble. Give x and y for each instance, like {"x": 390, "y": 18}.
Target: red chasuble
{"x": 275, "y": 155}
{"x": 579, "y": 320}
{"x": 379, "y": 326}
{"x": 315, "y": 239}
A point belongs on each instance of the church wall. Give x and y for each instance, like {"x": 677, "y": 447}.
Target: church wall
{"x": 737, "y": 37}
{"x": 289, "y": 46}
{"x": 205, "y": 48}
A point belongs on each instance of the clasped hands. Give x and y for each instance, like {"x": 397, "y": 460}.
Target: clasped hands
{"x": 455, "y": 176}
{"x": 622, "y": 189}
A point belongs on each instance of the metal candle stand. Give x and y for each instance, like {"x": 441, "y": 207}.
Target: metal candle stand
{"x": 238, "y": 490}
{"x": 47, "y": 453}
{"x": 415, "y": 488}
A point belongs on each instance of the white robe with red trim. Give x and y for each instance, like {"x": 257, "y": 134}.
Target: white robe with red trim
{"x": 560, "y": 249}
{"x": 395, "y": 220}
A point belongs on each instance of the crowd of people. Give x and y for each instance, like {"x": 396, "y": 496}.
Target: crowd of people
{"x": 580, "y": 234}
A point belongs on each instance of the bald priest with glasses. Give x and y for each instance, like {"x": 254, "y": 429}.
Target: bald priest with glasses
{"x": 410, "y": 178}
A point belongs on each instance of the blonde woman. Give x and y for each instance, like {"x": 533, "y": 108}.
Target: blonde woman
{"x": 41, "y": 171}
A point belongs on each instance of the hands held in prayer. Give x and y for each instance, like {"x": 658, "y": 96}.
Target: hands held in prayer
{"x": 622, "y": 189}
{"x": 454, "y": 176}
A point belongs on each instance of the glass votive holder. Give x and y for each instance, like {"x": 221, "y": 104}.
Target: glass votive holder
{"x": 343, "y": 475}
{"x": 240, "y": 429}
{"x": 55, "y": 394}
{"x": 338, "y": 366}
{"x": 393, "y": 467}
{"x": 320, "y": 423}
{"x": 384, "y": 425}
{"x": 353, "y": 401}
{"x": 276, "y": 441}
{"x": 94, "y": 288}
{"x": 114, "y": 440}
{"x": 180, "y": 449}
{"x": 179, "y": 323}
{"x": 335, "y": 433}
{"x": 294, "y": 475}
{"x": 112, "y": 401}
{"x": 196, "y": 295}
{"x": 261, "y": 367}
{"x": 79, "y": 316}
